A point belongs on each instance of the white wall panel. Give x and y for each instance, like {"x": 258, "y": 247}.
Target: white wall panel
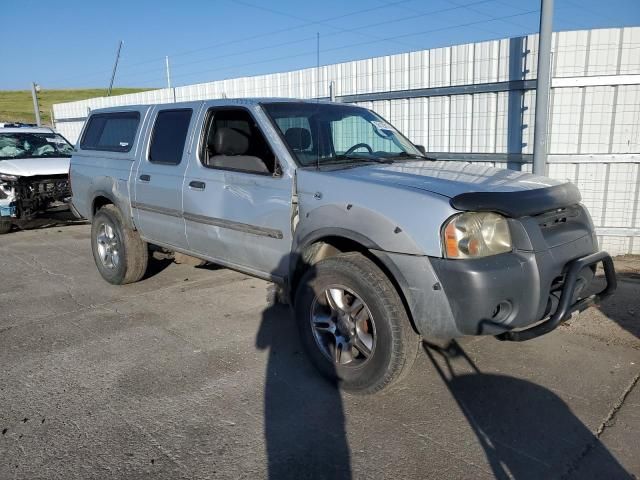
{"x": 592, "y": 184}
{"x": 603, "y": 51}
{"x": 419, "y": 69}
{"x": 504, "y": 46}
{"x": 418, "y": 121}
{"x": 485, "y": 68}
{"x": 621, "y": 188}
{"x": 565, "y": 120}
{"x": 460, "y": 120}
{"x": 630, "y": 55}
{"x": 570, "y": 53}
{"x": 438, "y": 124}
{"x": 596, "y": 119}
{"x": 399, "y": 114}
{"x": 440, "y": 67}
{"x": 461, "y": 64}
{"x": 502, "y": 121}
{"x": 626, "y": 129}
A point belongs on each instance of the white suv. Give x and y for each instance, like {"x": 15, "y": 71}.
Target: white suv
{"x": 34, "y": 166}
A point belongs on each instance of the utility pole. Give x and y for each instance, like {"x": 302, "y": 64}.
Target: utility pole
{"x": 168, "y": 72}
{"x": 543, "y": 88}
{"x": 35, "y": 88}
{"x": 115, "y": 67}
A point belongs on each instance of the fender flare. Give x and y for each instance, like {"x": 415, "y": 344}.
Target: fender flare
{"x": 383, "y": 259}
{"x": 124, "y": 207}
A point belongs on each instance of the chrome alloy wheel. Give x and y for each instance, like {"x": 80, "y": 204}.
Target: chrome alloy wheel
{"x": 108, "y": 246}
{"x": 343, "y": 326}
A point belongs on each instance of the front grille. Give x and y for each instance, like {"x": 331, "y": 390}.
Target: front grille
{"x": 558, "y": 217}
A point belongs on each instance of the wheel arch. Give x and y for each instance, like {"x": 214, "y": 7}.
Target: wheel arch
{"x": 102, "y": 198}
{"x": 328, "y": 242}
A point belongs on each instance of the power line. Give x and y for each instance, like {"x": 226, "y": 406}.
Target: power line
{"x": 244, "y": 39}
{"x": 342, "y": 47}
{"x": 319, "y": 22}
{"x": 354, "y": 29}
{"x": 475, "y": 10}
{"x": 232, "y": 54}
{"x": 159, "y": 67}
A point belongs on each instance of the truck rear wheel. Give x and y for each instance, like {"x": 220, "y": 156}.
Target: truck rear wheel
{"x": 353, "y": 324}
{"x": 5, "y": 227}
{"x": 120, "y": 254}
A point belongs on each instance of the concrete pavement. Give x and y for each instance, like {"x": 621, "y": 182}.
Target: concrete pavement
{"x": 190, "y": 374}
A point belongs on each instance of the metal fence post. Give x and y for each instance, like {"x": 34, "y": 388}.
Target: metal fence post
{"x": 543, "y": 89}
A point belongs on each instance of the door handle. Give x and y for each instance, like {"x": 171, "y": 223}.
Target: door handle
{"x": 196, "y": 185}
{"x": 145, "y": 178}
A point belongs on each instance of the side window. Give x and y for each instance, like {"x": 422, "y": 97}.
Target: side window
{"x": 169, "y": 136}
{"x": 233, "y": 141}
{"x": 113, "y": 132}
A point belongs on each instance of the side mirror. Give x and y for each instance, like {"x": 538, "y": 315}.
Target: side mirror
{"x": 421, "y": 149}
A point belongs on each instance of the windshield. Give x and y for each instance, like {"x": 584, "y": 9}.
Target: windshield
{"x": 325, "y": 133}
{"x": 33, "y": 145}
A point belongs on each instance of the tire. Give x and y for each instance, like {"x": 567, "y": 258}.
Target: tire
{"x": 5, "y": 227}
{"x": 387, "y": 343}
{"x": 120, "y": 254}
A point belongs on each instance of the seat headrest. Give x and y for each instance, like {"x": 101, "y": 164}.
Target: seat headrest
{"x": 228, "y": 141}
{"x": 298, "y": 138}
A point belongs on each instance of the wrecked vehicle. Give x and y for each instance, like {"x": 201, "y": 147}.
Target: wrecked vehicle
{"x": 373, "y": 243}
{"x": 34, "y": 166}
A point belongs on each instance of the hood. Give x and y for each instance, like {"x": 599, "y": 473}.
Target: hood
{"x": 449, "y": 178}
{"x": 29, "y": 167}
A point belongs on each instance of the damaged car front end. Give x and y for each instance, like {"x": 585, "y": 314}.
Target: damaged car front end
{"x": 34, "y": 164}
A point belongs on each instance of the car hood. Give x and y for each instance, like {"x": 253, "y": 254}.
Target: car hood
{"x": 449, "y": 178}
{"x": 29, "y": 167}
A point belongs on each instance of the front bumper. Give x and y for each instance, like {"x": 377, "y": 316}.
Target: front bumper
{"x": 502, "y": 295}
{"x": 569, "y": 303}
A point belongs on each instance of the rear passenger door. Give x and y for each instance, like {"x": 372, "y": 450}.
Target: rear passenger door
{"x": 158, "y": 181}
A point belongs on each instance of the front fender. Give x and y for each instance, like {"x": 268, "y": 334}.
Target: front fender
{"x": 367, "y": 227}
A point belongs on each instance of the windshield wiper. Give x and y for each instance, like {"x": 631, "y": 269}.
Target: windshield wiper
{"x": 412, "y": 155}
{"x": 340, "y": 158}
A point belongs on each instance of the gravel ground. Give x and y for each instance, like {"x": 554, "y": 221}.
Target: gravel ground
{"x": 190, "y": 374}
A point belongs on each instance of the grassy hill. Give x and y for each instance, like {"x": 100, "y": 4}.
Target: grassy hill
{"x": 17, "y": 105}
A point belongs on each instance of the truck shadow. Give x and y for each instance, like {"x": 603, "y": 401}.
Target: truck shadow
{"x": 304, "y": 421}
{"x": 526, "y": 431}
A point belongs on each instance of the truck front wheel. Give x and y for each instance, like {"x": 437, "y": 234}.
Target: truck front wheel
{"x": 5, "y": 227}
{"x": 353, "y": 323}
{"x": 120, "y": 254}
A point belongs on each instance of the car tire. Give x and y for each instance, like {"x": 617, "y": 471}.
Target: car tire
{"x": 381, "y": 346}
{"x": 5, "y": 227}
{"x": 120, "y": 254}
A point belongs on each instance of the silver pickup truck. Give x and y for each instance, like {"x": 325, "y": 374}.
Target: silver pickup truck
{"x": 374, "y": 243}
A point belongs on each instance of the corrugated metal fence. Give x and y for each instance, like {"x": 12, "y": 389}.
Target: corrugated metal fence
{"x": 475, "y": 102}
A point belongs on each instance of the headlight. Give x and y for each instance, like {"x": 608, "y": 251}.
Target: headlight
{"x": 8, "y": 178}
{"x": 475, "y": 235}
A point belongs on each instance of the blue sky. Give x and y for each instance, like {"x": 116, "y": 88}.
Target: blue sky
{"x": 72, "y": 43}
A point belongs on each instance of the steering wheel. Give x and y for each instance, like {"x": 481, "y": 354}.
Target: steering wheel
{"x": 357, "y": 146}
